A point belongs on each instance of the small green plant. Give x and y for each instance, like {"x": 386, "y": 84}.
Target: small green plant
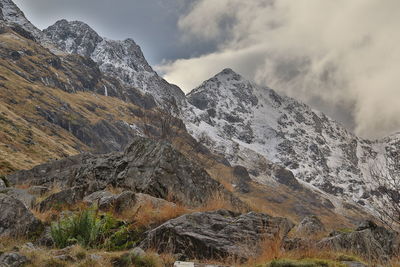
{"x": 87, "y": 228}
{"x": 124, "y": 238}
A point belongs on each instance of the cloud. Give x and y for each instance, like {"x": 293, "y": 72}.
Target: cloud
{"x": 341, "y": 56}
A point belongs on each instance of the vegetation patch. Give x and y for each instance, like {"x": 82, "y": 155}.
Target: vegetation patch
{"x": 90, "y": 229}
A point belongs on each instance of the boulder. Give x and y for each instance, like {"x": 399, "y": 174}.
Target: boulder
{"x": 16, "y": 219}
{"x": 65, "y": 197}
{"x": 216, "y": 234}
{"x": 147, "y": 166}
{"x": 23, "y": 195}
{"x": 310, "y": 226}
{"x": 370, "y": 240}
{"x": 106, "y": 200}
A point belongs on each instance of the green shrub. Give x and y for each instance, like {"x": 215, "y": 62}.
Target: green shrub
{"x": 123, "y": 239}
{"x": 86, "y": 228}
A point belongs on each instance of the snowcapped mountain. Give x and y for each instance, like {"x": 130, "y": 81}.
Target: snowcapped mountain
{"x": 252, "y": 125}
{"x": 10, "y": 13}
{"x": 120, "y": 59}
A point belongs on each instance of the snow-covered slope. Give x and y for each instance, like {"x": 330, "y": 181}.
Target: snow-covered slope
{"x": 121, "y": 59}
{"x": 10, "y": 13}
{"x": 251, "y": 124}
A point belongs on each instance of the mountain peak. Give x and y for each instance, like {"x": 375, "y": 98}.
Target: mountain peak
{"x": 229, "y": 74}
{"x": 73, "y": 37}
{"x": 10, "y": 13}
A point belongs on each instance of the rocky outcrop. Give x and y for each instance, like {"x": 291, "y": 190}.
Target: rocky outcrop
{"x": 217, "y": 234}
{"x": 146, "y": 166}
{"x": 372, "y": 241}
{"x": 16, "y": 219}
{"x": 106, "y": 200}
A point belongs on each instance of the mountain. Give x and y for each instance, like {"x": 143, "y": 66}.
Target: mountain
{"x": 11, "y": 14}
{"x": 123, "y": 60}
{"x": 251, "y": 125}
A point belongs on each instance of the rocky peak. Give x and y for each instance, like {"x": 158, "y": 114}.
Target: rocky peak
{"x": 74, "y": 37}
{"x": 123, "y": 60}
{"x": 11, "y": 14}
{"x": 226, "y": 87}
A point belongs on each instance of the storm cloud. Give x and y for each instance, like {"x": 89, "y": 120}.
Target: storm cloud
{"x": 342, "y": 57}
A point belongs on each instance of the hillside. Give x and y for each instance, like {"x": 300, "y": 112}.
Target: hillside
{"x": 89, "y": 130}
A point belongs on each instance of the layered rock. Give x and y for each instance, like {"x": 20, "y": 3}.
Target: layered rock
{"x": 147, "y": 166}
{"x": 217, "y": 235}
{"x": 16, "y": 219}
{"x": 372, "y": 241}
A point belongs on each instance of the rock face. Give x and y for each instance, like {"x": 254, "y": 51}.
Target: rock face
{"x": 123, "y": 60}
{"x": 370, "y": 240}
{"x": 248, "y": 123}
{"x": 310, "y": 226}
{"x": 146, "y": 166}
{"x": 217, "y": 234}
{"x": 16, "y": 219}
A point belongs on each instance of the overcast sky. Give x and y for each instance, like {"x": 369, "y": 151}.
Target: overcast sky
{"x": 341, "y": 57}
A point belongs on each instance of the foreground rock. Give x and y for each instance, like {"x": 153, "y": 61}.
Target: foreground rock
{"x": 146, "y": 166}
{"x": 16, "y": 219}
{"x": 217, "y": 234}
{"x": 370, "y": 240}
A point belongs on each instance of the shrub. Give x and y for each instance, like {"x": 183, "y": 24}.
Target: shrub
{"x": 124, "y": 238}
{"x": 86, "y": 228}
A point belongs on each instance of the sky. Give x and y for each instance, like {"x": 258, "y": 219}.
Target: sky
{"x": 341, "y": 57}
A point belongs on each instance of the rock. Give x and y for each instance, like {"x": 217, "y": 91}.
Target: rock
{"x": 2, "y": 184}
{"x": 45, "y": 238}
{"x": 107, "y": 200}
{"x": 23, "y": 195}
{"x": 216, "y": 235}
{"x": 138, "y": 252}
{"x": 156, "y": 203}
{"x": 370, "y": 240}
{"x": 354, "y": 264}
{"x": 310, "y": 226}
{"x": 147, "y": 166}
{"x": 12, "y": 259}
{"x": 65, "y": 197}
{"x": 16, "y": 219}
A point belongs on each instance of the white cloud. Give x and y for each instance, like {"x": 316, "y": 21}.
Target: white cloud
{"x": 344, "y": 52}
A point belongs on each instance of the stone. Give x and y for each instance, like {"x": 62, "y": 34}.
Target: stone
{"x": 147, "y": 166}
{"x": 138, "y": 252}
{"x": 16, "y": 219}
{"x": 354, "y": 264}
{"x": 65, "y": 197}
{"x": 216, "y": 234}
{"x": 370, "y": 240}
{"x": 106, "y": 200}
{"x": 310, "y": 226}
{"x": 12, "y": 259}
{"x": 23, "y": 195}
